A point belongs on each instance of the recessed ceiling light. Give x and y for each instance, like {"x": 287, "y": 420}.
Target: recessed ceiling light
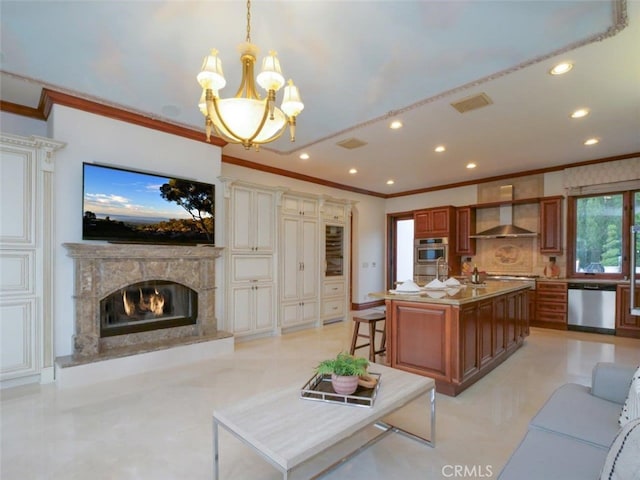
{"x": 580, "y": 113}
{"x": 591, "y": 141}
{"x": 396, "y": 124}
{"x": 440, "y": 148}
{"x": 561, "y": 68}
{"x": 304, "y": 156}
{"x": 471, "y": 165}
{"x": 352, "y": 171}
{"x": 390, "y": 182}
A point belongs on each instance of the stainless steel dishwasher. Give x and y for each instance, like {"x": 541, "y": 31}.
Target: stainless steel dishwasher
{"x": 592, "y": 307}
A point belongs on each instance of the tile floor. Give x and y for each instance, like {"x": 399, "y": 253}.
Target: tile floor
{"x": 158, "y": 425}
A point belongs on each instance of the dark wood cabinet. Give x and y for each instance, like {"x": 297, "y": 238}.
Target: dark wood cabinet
{"x": 627, "y": 325}
{"x": 551, "y": 305}
{"x": 551, "y": 225}
{"x": 433, "y": 222}
{"x": 455, "y": 345}
{"x": 465, "y": 226}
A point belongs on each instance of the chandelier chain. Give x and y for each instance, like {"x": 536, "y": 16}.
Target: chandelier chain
{"x": 248, "y": 21}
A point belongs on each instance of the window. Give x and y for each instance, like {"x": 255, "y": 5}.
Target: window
{"x": 599, "y": 228}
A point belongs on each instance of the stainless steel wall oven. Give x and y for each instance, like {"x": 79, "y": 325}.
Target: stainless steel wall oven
{"x": 426, "y": 253}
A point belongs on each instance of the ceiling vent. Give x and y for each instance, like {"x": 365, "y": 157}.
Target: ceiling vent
{"x": 472, "y": 103}
{"x": 351, "y": 143}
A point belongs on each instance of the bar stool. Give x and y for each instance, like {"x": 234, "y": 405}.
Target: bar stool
{"x": 372, "y": 320}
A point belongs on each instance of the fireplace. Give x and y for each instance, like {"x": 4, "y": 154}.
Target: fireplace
{"x": 148, "y": 305}
{"x": 132, "y": 297}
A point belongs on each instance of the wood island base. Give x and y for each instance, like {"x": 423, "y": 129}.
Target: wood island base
{"x": 456, "y": 341}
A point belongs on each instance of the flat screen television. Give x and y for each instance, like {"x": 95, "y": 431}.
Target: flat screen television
{"x": 122, "y": 205}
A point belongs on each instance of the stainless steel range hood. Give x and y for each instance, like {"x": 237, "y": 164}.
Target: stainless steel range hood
{"x": 506, "y": 229}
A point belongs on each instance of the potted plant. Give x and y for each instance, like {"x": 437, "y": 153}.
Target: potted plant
{"x": 345, "y": 371}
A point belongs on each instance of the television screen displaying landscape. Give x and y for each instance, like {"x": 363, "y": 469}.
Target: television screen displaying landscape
{"x": 127, "y": 206}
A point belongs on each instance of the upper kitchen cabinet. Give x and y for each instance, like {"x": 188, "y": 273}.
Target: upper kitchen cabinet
{"x": 333, "y": 212}
{"x": 299, "y": 205}
{"x": 551, "y": 225}
{"x": 253, "y": 219}
{"x": 465, "y": 227}
{"x": 434, "y": 222}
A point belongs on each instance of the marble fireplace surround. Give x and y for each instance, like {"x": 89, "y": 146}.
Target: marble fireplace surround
{"x": 101, "y": 269}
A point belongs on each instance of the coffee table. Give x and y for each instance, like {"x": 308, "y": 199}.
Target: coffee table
{"x": 288, "y": 431}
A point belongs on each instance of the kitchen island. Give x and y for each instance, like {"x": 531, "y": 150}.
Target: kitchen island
{"x": 456, "y": 335}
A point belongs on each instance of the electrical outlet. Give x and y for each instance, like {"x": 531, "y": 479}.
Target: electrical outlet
{"x": 365, "y": 264}
{"x": 373, "y": 264}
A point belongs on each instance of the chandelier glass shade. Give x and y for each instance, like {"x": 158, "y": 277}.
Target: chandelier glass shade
{"x": 247, "y": 118}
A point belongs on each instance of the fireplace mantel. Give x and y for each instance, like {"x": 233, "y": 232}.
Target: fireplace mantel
{"x": 101, "y": 269}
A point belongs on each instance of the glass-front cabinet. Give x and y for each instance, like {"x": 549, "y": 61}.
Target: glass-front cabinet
{"x": 334, "y": 251}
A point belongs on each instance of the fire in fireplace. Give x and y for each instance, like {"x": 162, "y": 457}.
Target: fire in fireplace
{"x": 148, "y": 305}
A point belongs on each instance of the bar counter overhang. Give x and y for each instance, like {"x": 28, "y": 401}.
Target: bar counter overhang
{"x": 457, "y": 337}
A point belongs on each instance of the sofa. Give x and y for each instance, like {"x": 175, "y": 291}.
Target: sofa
{"x": 570, "y": 436}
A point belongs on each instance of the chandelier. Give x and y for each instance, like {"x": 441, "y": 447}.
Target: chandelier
{"x": 246, "y": 118}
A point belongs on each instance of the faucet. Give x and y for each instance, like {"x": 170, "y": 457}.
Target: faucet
{"x": 438, "y": 267}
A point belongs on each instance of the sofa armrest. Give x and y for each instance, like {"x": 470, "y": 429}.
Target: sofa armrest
{"x": 611, "y": 381}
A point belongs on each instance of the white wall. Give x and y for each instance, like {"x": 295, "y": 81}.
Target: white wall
{"x": 93, "y": 138}
{"x": 457, "y": 197}
{"x": 368, "y": 234}
{"x": 19, "y": 125}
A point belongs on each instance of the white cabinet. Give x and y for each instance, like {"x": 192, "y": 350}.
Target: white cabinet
{"x": 252, "y": 216}
{"x": 299, "y": 259}
{"x": 252, "y": 308}
{"x": 299, "y": 206}
{"x": 26, "y": 259}
{"x": 334, "y": 212}
{"x": 251, "y": 289}
{"x": 335, "y": 260}
{"x": 251, "y": 293}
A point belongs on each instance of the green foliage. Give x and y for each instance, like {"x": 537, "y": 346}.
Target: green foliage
{"x": 595, "y": 217}
{"x": 343, "y": 365}
{"x": 612, "y": 247}
{"x": 195, "y": 198}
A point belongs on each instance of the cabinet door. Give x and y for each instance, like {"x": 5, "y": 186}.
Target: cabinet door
{"x": 309, "y": 311}
{"x": 242, "y": 219}
{"x": 627, "y": 325}
{"x": 465, "y": 227}
{"x": 468, "y": 341}
{"x": 422, "y": 223}
{"x": 551, "y": 225}
{"x": 263, "y": 307}
{"x": 293, "y": 205}
{"x": 309, "y": 257}
{"x": 241, "y": 298}
{"x": 290, "y": 314}
{"x": 334, "y": 212}
{"x": 264, "y": 222}
{"x": 440, "y": 221}
{"x": 290, "y": 261}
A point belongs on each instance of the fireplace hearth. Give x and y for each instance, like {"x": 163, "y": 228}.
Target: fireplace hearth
{"x": 130, "y": 296}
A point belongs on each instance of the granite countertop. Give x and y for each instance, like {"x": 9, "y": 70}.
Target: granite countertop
{"x": 456, "y": 295}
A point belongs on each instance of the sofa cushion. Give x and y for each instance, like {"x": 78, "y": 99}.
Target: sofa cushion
{"x": 631, "y": 408}
{"x": 573, "y": 411}
{"x": 611, "y": 381}
{"x": 549, "y": 456}
{"x": 623, "y": 459}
